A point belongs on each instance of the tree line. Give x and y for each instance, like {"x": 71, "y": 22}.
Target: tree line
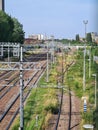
{"x": 11, "y": 30}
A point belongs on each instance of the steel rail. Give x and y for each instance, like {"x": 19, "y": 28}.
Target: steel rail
{"x": 59, "y": 113}
{"x": 17, "y": 111}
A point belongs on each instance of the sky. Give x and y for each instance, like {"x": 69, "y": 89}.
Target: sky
{"x": 61, "y": 18}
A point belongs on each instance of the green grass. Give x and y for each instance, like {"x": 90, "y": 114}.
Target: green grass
{"x": 42, "y": 102}
{"x": 74, "y": 79}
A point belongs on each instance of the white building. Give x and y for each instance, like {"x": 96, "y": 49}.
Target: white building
{"x": 37, "y": 36}
{"x": 94, "y": 35}
{"x": 41, "y": 37}
{"x": 96, "y": 39}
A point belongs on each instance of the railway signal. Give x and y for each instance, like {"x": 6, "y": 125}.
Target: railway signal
{"x": 85, "y": 105}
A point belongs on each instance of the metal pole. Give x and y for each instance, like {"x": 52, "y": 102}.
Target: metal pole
{"x": 21, "y": 91}
{"x": 2, "y": 50}
{"x": 8, "y": 53}
{"x": 84, "y": 69}
{"x": 51, "y": 59}
{"x": 89, "y": 64}
{"x": 89, "y": 53}
{"x": 18, "y": 50}
{"x": 95, "y": 89}
{"x": 53, "y": 47}
{"x": 62, "y": 68}
{"x": 95, "y": 75}
{"x": 47, "y": 65}
{"x": 85, "y": 22}
{"x": 89, "y": 67}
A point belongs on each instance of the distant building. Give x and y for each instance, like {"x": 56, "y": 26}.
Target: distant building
{"x": 34, "y": 37}
{"x": 94, "y": 36}
{"x": 40, "y": 37}
{"x": 2, "y": 5}
{"x": 96, "y": 39}
{"x": 37, "y": 36}
{"x": 81, "y": 39}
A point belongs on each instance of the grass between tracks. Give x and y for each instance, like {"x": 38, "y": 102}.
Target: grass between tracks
{"x": 43, "y": 100}
{"x": 41, "y": 104}
{"x": 74, "y": 80}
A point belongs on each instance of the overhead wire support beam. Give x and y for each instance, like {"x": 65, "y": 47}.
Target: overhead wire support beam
{"x": 20, "y": 66}
{"x": 16, "y": 66}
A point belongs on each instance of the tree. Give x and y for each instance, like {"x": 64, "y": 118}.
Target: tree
{"x": 77, "y": 37}
{"x": 6, "y": 27}
{"x": 11, "y": 26}
{"x": 10, "y": 29}
{"x": 89, "y": 37}
{"x": 18, "y": 33}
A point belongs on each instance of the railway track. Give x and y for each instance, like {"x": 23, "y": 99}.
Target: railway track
{"x": 69, "y": 114}
{"x": 9, "y": 102}
{"x": 9, "y": 80}
{"x": 10, "y": 84}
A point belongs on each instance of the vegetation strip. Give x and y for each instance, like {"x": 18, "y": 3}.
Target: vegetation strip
{"x": 38, "y": 104}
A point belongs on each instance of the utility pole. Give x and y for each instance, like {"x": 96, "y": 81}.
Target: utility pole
{"x": 95, "y": 90}
{"x": 21, "y": 92}
{"x": 53, "y": 48}
{"x": 47, "y": 79}
{"x": 62, "y": 80}
{"x": 8, "y": 54}
{"x": 85, "y": 22}
{"x": 62, "y": 68}
{"x": 95, "y": 75}
{"x": 89, "y": 53}
{"x": 1, "y": 51}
